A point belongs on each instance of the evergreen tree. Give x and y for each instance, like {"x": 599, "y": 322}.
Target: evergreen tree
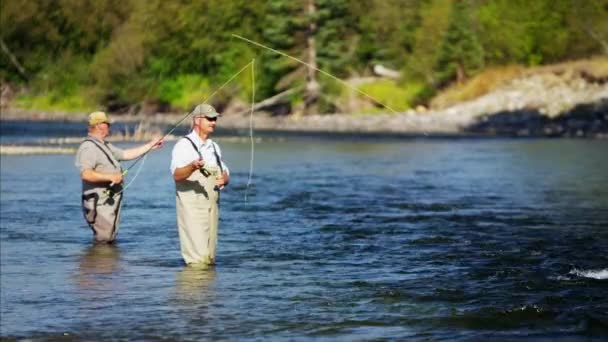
{"x": 588, "y": 27}
{"x": 461, "y": 53}
{"x": 41, "y": 34}
{"x": 527, "y": 32}
{"x": 385, "y": 31}
{"x": 122, "y": 52}
{"x": 420, "y": 64}
{"x": 313, "y": 31}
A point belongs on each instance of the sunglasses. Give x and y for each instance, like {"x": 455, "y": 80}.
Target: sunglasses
{"x": 208, "y": 119}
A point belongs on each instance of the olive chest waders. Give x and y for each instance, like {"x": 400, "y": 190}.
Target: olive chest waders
{"x": 101, "y": 204}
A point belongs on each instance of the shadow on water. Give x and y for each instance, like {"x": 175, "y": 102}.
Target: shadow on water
{"x": 96, "y": 265}
{"x": 194, "y": 284}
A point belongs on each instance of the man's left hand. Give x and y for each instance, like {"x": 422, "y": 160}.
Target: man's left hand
{"x": 222, "y": 180}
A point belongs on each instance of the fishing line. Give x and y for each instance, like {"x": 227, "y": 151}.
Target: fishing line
{"x": 317, "y": 69}
{"x": 142, "y": 157}
{"x": 188, "y": 114}
{"x": 107, "y": 191}
{"x": 251, "y": 128}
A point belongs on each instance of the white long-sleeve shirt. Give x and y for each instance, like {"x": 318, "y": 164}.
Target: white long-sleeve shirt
{"x": 184, "y": 153}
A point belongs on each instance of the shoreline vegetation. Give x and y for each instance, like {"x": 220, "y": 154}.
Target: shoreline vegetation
{"x": 562, "y": 100}
{"x": 425, "y": 68}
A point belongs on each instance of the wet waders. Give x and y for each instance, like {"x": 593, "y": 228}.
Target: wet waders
{"x": 101, "y": 204}
{"x": 197, "y": 203}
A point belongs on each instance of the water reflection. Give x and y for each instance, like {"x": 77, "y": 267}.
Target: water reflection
{"x": 96, "y": 265}
{"x": 438, "y": 238}
{"x": 194, "y": 284}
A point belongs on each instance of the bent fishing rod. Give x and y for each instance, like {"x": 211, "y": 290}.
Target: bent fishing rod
{"x": 174, "y": 127}
{"x": 341, "y": 81}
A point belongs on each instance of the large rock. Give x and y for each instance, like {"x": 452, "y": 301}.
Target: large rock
{"x": 584, "y": 120}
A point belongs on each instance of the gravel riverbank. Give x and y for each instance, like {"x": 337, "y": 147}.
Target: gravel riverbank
{"x": 552, "y": 103}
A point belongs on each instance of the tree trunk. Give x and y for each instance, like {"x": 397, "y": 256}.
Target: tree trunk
{"x": 13, "y": 59}
{"x": 460, "y": 73}
{"x": 271, "y": 101}
{"x": 312, "y": 86}
{"x": 597, "y": 38}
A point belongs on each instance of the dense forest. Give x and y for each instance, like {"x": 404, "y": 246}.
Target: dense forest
{"x": 127, "y": 55}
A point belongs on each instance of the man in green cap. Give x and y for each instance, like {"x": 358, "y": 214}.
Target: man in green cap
{"x": 199, "y": 174}
{"x": 101, "y": 174}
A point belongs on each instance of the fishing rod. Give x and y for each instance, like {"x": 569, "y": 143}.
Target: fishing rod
{"x": 317, "y": 69}
{"x": 174, "y": 127}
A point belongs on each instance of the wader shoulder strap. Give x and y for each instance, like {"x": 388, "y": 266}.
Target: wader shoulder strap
{"x": 103, "y": 150}
{"x": 195, "y": 148}
{"x": 217, "y": 158}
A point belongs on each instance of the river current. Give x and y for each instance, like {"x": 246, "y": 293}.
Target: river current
{"x": 331, "y": 239}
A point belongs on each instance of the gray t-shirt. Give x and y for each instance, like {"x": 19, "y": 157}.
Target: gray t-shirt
{"x": 97, "y": 155}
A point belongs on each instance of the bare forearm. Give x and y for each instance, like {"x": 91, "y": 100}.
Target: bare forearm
{"x": 96, "y": 177}
{"x": 182, "y": 173}
{"x": 135, "y": 152}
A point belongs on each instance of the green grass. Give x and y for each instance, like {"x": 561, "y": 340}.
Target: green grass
{"x": 390, "y": 94}
{"x": 54, "y": 102}
{"x": 479, "y": 85}
{"x": 184, "y": 91}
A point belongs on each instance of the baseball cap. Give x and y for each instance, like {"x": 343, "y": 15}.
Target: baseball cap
{"x": 96, "y": 118}
{"x": 205, "y": 110}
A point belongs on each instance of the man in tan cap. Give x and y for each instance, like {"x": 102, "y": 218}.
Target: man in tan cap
{"x": 199, "y": 173}
{"x": 101, "y": 174}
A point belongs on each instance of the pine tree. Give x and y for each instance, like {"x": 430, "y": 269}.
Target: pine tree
{"x": 316, "y": 32}
{"x": 420, "y": 64}
{"x": 461, "y": 53}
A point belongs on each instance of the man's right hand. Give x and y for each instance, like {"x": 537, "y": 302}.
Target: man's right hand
{"x": 182, "y": 173}
{"x": 116, "y": 178}
{"x": 197, "y": 164}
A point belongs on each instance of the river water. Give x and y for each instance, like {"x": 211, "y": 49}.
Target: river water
{"x": 334, "y": 239}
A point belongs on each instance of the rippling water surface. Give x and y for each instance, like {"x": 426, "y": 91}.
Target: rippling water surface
{"x": 334, "y": 240}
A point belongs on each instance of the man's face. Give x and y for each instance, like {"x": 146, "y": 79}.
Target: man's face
{"x": 103, "y": 129}
{"x": 207, "y": 125}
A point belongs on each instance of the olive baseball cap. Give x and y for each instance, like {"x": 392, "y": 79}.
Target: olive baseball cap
{"x": 96, "y": 118}
{"x": 205, "y": 110}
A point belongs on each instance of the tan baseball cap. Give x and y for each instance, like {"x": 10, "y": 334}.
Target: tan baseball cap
{"x": 205, "y": 110}
{"x": 96, "y": 118}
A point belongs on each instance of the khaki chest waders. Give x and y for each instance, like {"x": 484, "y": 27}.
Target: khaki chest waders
{"x": 197, "y": 205}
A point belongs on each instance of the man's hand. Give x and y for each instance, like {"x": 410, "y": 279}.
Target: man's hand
{"x": 182, "y": 173}
{"x": 223, "y": 180}
{"x": 116, "y": 178}
{"x": 197, "y": 164}
{"x": 157, "y": 142}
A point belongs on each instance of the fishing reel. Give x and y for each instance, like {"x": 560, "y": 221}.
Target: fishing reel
{"x": 112, "y": 190}
{"x": 210, "y": 171}
{"x": 109, "y": 192}
{"x": 109, "y": 196}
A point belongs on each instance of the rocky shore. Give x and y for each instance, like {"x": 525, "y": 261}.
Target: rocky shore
{"x": 553, "y": 103}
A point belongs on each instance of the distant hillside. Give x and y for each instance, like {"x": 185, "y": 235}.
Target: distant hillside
{"x": 134, "y": 56}
{"x": 551, "y": 89}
